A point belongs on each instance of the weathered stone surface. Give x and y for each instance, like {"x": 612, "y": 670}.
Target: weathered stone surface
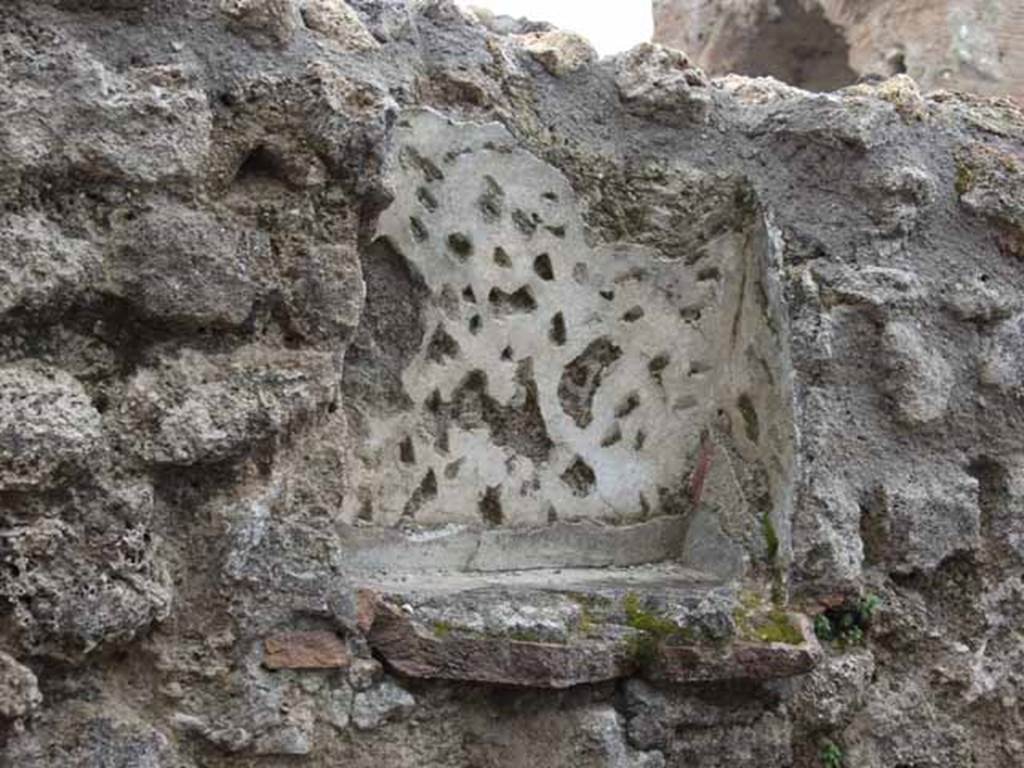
{"x": 221, "y": 333}
{"x": 585, "y": 633}
{"x": 305, "y": 650}
{"x": 561, "y": 53}
{"x": 41, "y": 270}
{"x": 388, "y": 701}
{"x": 198, "y": 409}
{"x": 335, "y": 20}
{"x": 48, "y": 428}
{"x": 660, "y": 83}
{"x": 825, "y": 44}
{"x": 19, "y": 689}
{"x": 920, "y": 378}
{"x": 917, "y": 524}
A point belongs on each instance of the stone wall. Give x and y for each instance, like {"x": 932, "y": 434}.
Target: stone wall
{"x": 971, "y": 45}
{"x": 385, "y": 386}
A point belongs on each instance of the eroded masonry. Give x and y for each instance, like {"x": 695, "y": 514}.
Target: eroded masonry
{"x": 390, "y": 385}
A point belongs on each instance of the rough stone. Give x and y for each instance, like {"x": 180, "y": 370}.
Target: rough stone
{"x": 19, "y": 689}
{"x": 561, "y": 53}
{"x": 41, "y": 270}
{"x": 49, "y": 429}
{"x": 921, "y": 379}
{"x": 387, "y": 701}
{"x": 335, "y": 20}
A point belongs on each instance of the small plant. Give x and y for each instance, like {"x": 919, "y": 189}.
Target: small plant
{"x": 831, "y": 755}
{"x": 442, "y": 629}
{"x": 847, "y": 624}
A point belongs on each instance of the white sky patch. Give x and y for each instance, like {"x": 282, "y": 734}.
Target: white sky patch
{"x": 610, "y": 25}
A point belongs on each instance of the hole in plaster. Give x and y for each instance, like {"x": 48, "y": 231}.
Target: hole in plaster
{"x": 442, "y": 346}
{"x": 525, "y": 223}
{"x": 691, "y": 314}
{"x": 492, "y": 200}
{"x": 633, "y": 314}
{"x": 501, "y": 258}
{"x": 579, "y": 477}
{"x": 519, "y": 302}
{"x": 557, "y": 332}
{"x": 406, "y": 451}
{"x": 460, "y": 245}
{"x": 542, "y": 267}
{"x": 409, "y": 157}
{"x": 475, "y": 323}
{"x": 490, "y": 506}
{"x": 419, "y": 231}
{"x": 427, "y": 491}
{"x": 582, "y": 377}
{"x": 426, "y": 197}
{"x": 709, "y": 273}
{"x": 657, "y": 365}
{"x": 751, "y": 423}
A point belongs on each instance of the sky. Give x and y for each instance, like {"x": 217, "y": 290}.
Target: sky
{"x": 610, "y": 25}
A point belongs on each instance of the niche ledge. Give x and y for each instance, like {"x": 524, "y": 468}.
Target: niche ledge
{"x": 559, "y": 628}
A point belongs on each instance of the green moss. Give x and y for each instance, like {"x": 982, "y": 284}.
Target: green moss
{"x": 777, "y": 628}
{"x": 442, "y": 629}
{"x": 753, "y": 622}
{"x": 652, "y": 630}
{"x": 638, "y": 618}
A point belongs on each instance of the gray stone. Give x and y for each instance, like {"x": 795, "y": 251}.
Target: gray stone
{"x": 378, "y": 705}
{"x": 40, "y": 269}
{"x": 364, "y": 673}
{"x": 922, "y": 521}
{"x": 19, "y": 689}
{"x": 49, "y": 430}
{"x": 829, "y": 696}
{"x": 920, "y": 379}
{"x": 660, "y": 83}
{"x": 180, "y": 265}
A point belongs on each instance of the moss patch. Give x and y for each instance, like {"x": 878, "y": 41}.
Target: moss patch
{"x": 777, "y": 628}
{"x": 756, "y": 623}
